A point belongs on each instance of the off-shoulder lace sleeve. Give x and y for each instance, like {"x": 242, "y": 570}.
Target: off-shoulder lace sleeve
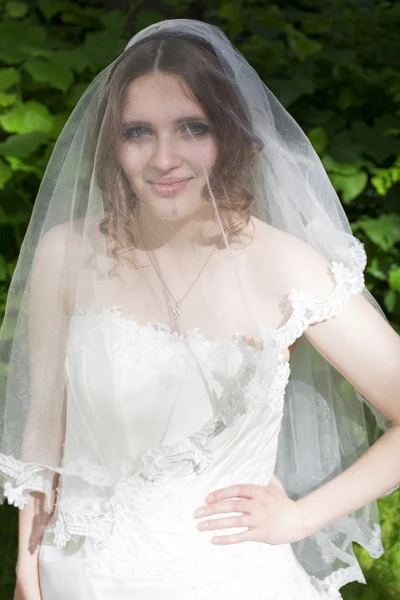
{"x": 306, "y": 310}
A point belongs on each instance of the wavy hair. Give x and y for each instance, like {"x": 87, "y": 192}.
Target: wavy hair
{"x": 191, "y": 59}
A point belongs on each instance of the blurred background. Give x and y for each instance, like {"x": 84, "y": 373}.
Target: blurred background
{"x": 335, "y": 66}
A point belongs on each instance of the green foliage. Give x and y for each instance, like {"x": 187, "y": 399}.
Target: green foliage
{"x": 345, "y": 93}
{"x": 336, "y": 68}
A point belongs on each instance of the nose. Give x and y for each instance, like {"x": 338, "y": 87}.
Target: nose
{"x": 165, "y": 154}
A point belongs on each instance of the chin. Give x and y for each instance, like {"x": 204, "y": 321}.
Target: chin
{"x": 173, "y": 209}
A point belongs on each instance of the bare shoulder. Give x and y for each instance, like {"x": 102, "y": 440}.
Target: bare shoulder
{"x": 56, "y": 242}
{"x": 289, "y": 259}
{"x": 57, "y": 258}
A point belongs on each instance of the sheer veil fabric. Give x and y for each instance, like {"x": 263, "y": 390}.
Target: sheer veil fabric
{"x": 245, "y": 243}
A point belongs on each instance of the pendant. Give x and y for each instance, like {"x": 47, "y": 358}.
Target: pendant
{"x": 176, "y": 312}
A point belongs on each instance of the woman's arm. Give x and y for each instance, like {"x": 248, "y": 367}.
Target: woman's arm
{"x": 33, "y": 519}
{"x": 45, "y": 425}
{"x": 362, "y": 346}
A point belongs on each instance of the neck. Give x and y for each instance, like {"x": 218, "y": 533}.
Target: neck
{"x": 200, "y": 229}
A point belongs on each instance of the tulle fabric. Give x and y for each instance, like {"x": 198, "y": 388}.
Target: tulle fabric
{"x": 68, "y": 276}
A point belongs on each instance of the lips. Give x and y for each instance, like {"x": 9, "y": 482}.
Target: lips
{"x": 169, "y": 181}
{"x": 168, "y": 187}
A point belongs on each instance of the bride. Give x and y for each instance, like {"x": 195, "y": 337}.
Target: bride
{"x": 194, "y": 347}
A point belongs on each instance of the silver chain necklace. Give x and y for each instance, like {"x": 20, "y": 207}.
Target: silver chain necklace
{"x": 176, "y": 312}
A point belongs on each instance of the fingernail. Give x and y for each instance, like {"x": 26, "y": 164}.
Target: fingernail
{"x": 210, "y": 498}
{"x": 199, "y": 511}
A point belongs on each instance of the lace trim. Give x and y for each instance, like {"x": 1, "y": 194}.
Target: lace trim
{"x": 24, "y": 478}
{"x": 193, "y": 450}
{"x": 339, "y": 578}
{"x": 97, "y": 526}
{"x": 164, "y": 331}
{"x": 307, "y": 311}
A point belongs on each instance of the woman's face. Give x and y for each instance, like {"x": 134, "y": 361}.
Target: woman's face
{"x": 168, "y": 149}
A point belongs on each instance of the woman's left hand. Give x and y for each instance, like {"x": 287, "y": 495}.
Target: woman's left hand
{"x": 270, "y": 515}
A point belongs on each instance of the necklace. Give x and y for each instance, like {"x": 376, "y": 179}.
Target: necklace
{"x": 176, "y": 312}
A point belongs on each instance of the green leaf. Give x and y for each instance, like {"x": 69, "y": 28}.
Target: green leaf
{"x": 20, "y": 217}
{"x": 8, "y": 78}
{"x": 16, "y": 10}
{"x": 351, "y": 186}
{"x": 346, "y": 99}
{"x": 354, "y": 185}
{"x": 289, "y": 90}
{"x": 145, "y": 17}
{"x": 390, "y": 299}
{"x": 338, "y": 56}
{"x": 5, "y": 174}
{"x": 373, "y": 140}
{"x": 114, "y": 21}
{"x": 384, "y": 179}
{"x": 318, "y": 116}
{"x": 3, "y": 268}
{"x": 17, "y": 164}
{"x": 318, "y": 138}
{"x": 26, "y": 118}
{"x": 101, "y": 47}
{"x": 54, "y": 72}
{"x": 10, "y": 270}
{"x": 59, "y": 121}
{"x": 7, "y": 100}
{"x": 69, "y": 18}
{"x": 384, "y": 231}
{"x": 49, "y": 8}
{"x": 22, "y": 33}
{"x": 394, "y": 279}
{"x": 231, "y": 11}
{"x": 345, "y": 147}
{"x": 374, "y": 268}
{"x": 14, "y": 54}
{"x": 74, "y": 58}
{"x": 301, "y": 44}
{"x": 22, "y": 145}
{"x": 74, "y": 94}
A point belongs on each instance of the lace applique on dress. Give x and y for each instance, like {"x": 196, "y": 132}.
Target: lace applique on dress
{"x": 262, "y": 382}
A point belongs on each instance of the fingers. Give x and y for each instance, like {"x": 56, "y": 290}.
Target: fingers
{"x": 235, "y": 538}
{"x": 242, "y": 506}
{"x": 225, "y": 523}
{"x": 242, "y": 490}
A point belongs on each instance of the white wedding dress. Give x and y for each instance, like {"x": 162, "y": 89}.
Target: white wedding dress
{"x": 187, "y": 433}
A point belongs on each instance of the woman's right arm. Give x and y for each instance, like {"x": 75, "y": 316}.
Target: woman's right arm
{"x": 46, "y": 418}
{"x": 32, "y": 522}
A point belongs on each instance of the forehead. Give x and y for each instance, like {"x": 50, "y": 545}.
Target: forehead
{"x": 159, "y": 97}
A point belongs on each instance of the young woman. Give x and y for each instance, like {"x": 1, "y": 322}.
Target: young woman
{"x": 194, "y": 347}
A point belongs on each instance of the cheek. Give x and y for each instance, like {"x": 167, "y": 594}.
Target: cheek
{"x": 132, "y": 161}
{"x": 204, "y": 157}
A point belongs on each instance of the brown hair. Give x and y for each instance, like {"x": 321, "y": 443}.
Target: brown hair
{"x": 197, "y": 65}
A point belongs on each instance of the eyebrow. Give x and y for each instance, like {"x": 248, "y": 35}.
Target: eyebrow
{"x": 180, "y": 121}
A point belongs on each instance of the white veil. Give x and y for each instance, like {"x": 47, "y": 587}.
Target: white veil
{"x": 81, "y": 256}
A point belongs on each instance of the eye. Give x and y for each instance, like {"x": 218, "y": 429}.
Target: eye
{"x": 196, "y": 129}
{"x": 139, "y": 131}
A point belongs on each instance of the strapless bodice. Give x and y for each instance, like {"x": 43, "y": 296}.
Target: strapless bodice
{"x": 161, "y": 404}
